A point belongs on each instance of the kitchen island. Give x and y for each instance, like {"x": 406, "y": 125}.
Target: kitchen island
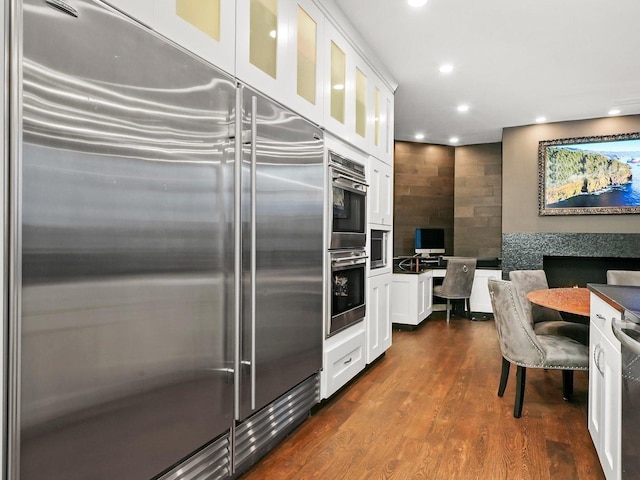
{"x": 610, "y": 366}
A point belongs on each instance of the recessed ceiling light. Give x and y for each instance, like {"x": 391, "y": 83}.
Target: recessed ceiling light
{"x": 454, "y": 139}
{"x": 338, "y": 86}
{"x": 446, "y": 68}
{"x": 541, "y": 119}
{"x": 417, "y": 3}
{"x": 463, "y": 108}
{"x": 273, "y": 34}
{"x": 419, "y": 136}
{"x": 614, "y": 111}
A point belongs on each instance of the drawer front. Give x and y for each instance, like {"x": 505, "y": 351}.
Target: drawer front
{"x": 344, "y": 361}
{"x": 602, "y": 315}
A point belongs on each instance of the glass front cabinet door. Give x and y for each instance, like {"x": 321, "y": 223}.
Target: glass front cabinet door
{"x": 205, "y": 27}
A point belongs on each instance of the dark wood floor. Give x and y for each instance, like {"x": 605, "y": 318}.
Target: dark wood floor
{"x": 429, "y": 410}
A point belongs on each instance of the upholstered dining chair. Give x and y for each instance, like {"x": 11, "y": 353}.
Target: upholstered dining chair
{"x": 457, "y": 283}
{"x": 521, "y": 346}
{"x": 623, "y": 277}
{"x": 546, "y": 321}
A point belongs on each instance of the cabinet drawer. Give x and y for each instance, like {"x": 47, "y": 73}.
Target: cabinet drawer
{"x": 344, "y": 361}
{"x": 602, "y": 315}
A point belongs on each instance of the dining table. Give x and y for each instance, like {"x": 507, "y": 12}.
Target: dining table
{"x": 575, "y": 300}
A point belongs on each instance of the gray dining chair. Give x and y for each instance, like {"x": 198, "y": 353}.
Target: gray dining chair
{"x": 521, "y": 346}
{"x": 546, "y": 321}
{"x": 457, "y": 283}
{"x": 623, "y": 277}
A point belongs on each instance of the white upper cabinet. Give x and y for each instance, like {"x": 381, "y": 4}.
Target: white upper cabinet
{"x": 263, "y": 46}
{"x": 305, "y": 67}
{"x": 380, "y": 194}
{"x": 204, "y": 27}
{"x": 141, "y": 10}
{"x": 339, "y": 84}
{"x": 381, "y": 144}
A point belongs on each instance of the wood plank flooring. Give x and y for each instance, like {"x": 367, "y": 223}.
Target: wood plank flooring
{"x": 429, "y": 410}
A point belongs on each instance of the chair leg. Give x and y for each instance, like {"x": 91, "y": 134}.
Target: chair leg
{"x": 521, "y": 374}
{"x": 448, "y": 309}
{"x": 504, "y": 376}
{"x": 567, "y": 384}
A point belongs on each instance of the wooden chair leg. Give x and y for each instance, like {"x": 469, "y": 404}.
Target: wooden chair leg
{"x": 567, "y": 384}
{"x": 521, "y": 374}
{"x": 504, "y": 376}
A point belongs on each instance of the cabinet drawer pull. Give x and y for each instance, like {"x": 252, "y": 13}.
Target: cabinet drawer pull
{"x": 346, "y": 362}
{"x": 600, "y": 317}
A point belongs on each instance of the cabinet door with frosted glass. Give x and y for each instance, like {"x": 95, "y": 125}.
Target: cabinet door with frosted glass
{"x": 262, "y": 49}
{"x": 381, "y": 107}
{"x": 204, "y": 27}
{"x": 305, "y": 66}
{"x": 339, "y": 85}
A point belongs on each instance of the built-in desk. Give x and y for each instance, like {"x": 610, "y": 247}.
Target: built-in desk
{"x": 412, "y": 294}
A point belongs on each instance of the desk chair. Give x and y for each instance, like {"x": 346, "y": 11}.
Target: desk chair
{"x": 546, "y": 321}
{"x": 457, "y": 283}
{"x": 521, "y": 346}
{"x": 623, "y": 277}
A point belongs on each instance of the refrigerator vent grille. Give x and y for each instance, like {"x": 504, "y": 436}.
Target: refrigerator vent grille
{"x": 266, "y": 427}
{"x": 211, "y": 463}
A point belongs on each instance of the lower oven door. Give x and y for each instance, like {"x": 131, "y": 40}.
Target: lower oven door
{"x": 347, "y": 289}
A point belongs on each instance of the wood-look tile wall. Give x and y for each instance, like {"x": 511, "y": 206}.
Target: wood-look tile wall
{"x": 478, "y": 200}
{"x": 423, "y": 193}
{"x": 455, "y": 188}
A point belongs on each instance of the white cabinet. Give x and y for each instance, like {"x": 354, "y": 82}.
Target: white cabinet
{"x": 480, "y": 301}
{"x": 378, "y": 316}
{"x": 141, "y": 10}
{"x": 207, "y": 29}
{"x": 380, "y": 194}
{"x": 344, "y": 358}
{"x": 605, "y": 385}
{"x": 411, "y": 297}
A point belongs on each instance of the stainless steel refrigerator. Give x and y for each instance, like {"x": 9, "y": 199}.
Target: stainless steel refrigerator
{"x": 166, "y": 282}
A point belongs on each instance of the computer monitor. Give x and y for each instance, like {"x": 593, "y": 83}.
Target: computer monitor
{"x": 429, "y": 241}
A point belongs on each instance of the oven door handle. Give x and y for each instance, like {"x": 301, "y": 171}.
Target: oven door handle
{"x": 348, "y": 262}
{"x": 620, "y": 329}
{"x": 349, "y": 183}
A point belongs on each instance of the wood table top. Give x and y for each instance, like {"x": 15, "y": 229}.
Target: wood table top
{"x": 570, "y": 300}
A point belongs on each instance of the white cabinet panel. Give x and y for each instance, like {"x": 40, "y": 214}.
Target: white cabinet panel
{"x": 206, "y": 28}
{"x": 411, "y": 297}
{"x": 380, "y": 194}
{"x": 378, "y": 316}
{"x": 480, "y": 300}
{"x": 605, "y": 395}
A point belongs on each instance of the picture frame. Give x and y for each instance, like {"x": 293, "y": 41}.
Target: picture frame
{"x": 589, "y": 175}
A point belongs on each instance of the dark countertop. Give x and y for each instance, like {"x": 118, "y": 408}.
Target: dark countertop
{"x": 619, "y": 297}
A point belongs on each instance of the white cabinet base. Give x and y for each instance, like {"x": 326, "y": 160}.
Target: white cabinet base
{"x": 411, "y": 297}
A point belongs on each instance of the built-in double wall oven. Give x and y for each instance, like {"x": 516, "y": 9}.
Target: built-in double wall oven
{"x": 348, "y": 238}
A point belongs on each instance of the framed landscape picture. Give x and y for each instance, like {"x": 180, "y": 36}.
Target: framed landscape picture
{"x": 589, "y": 175}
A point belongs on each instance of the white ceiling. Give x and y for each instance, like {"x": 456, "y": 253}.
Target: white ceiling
{"x": 515, "y": 60}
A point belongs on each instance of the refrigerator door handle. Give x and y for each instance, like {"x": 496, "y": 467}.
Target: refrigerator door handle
{"x": 254, "y": 137}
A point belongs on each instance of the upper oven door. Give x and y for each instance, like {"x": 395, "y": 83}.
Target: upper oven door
{"x": 349, "y": 201}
